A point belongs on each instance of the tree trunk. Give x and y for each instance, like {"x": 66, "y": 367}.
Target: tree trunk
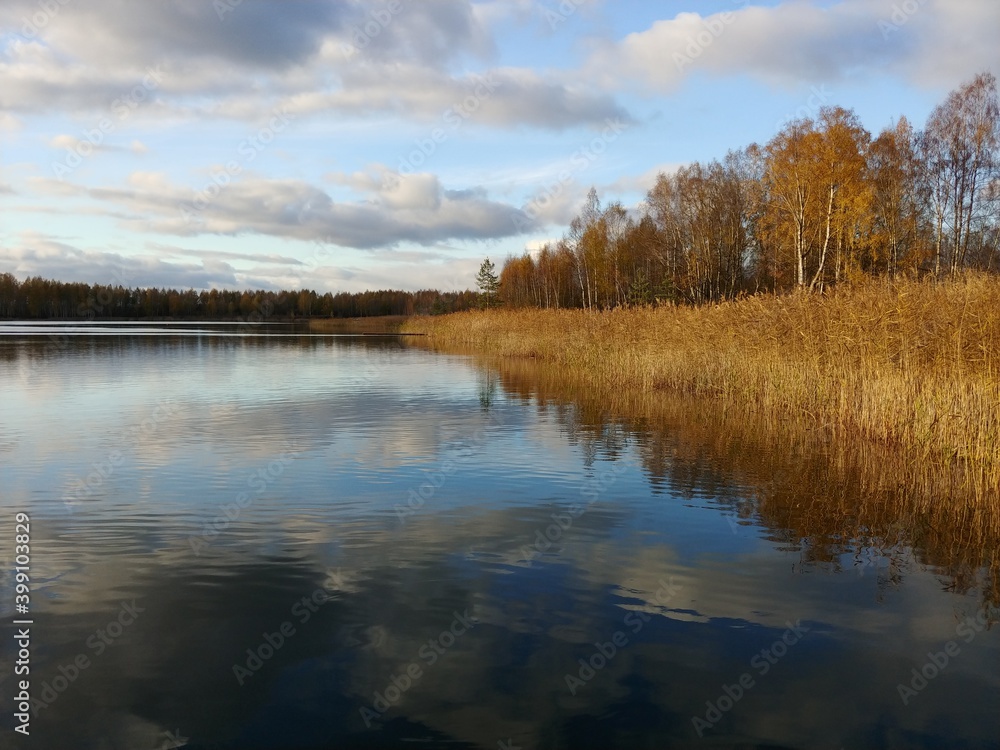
{"x": 826, "y": 239}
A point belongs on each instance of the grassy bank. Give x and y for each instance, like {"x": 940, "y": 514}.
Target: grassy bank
{"x": 913, "y": 365}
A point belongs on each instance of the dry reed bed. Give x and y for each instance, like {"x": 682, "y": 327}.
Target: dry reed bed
{"x": 801, "y": 483}
{"x": 911, "y": 364}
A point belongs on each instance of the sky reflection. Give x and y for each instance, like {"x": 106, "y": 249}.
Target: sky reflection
{"x": 540, "y": 525}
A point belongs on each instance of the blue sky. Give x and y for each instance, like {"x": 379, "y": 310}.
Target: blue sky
{"x": 348, "y": 145}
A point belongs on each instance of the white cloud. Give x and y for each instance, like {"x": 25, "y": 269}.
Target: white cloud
{"x": 941, "y": 43}
{"x": 222, "y": 255}
{"x": 36, "y": 254}
{"x": 64, "y": 141}
{"x": 643, "y": 182}
{"x": 397, "y": 208}
{"x": 72, "y": 143}
{"x": 534, "y": 247}
{"x": 500, "y": 98}
{"x": 350, "y": 58}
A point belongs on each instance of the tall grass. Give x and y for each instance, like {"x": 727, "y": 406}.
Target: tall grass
{"x": 913, "y": 366}
{"x": 826, "y": 498}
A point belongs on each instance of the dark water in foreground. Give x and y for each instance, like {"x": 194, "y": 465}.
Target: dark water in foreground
{"x": 334, "y": 542}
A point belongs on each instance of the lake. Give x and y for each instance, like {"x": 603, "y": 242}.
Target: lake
{"x": 301, "y": 541}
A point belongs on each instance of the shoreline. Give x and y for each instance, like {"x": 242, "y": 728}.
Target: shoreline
{"x": 802, "y": 484}
{"x": 911, "y": 366}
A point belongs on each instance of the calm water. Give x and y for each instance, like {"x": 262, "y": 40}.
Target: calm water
{"x": 334, "y": 542}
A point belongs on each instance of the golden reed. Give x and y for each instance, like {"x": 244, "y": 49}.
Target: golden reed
{"x": 911, "y": 364}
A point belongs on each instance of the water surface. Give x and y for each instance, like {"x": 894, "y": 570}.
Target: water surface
{"x": 292, "y": 541}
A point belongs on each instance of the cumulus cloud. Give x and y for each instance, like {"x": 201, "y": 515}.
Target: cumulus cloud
{"x": 351, "y": 58}
{"x": 226, "y": 256}
{"x": 643, "y": 182}
{"x": 398, "y": 208}
{"x": 35, "y": 254}
{"x": 932, "y": 42}
{"x": 108, "y": 33}
{"x": 431, "y": 34}
{"x": 74, "y": 144}
{"x": 156, "y": 264}
{"x": 502, "y": 97}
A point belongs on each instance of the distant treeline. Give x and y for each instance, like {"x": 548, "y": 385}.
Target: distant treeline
{"x": 37, "y": 298}
{"x": 822, "y": 202}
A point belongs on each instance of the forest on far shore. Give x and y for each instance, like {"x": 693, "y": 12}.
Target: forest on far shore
{"x": 38, "y": 299}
